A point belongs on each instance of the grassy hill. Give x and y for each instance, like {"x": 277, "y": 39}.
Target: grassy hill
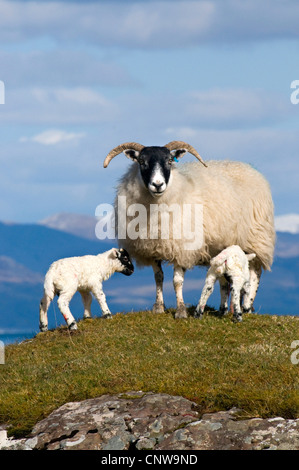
{"x": 214, "y": 362}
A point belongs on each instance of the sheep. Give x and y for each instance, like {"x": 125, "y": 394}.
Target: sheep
{"x": 85, "y": 274}
{"x": 237, "y": 210}
{"x": 231, "y": 269}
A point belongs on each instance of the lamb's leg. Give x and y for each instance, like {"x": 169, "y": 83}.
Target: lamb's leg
{"x": 236, "y": 300}
{"x": 255, "y": 271}
{"x": 43, "y": 309}
{"x": 159, "y": 278}
{"x": 63, "y": 304}
{"x": 101, "y": 298}
{"x": 206, "y": 292}
{"x": 86, "y": 299}
{"x": 224, "y": 295}
{"x": 178, "y": 281}
{"x": 246, "y": 298}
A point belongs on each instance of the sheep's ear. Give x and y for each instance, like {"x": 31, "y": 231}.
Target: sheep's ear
{"x": 132, "y": 154}
{"x": 178, "y": 153}
{"x": 251, "y": 256}
{"x": 114, "y": 253}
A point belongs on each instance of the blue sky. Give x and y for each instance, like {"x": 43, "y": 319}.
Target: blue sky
{"x": 83, "y": 77}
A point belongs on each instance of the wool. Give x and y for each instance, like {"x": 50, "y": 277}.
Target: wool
{"x": 237, "y": 210}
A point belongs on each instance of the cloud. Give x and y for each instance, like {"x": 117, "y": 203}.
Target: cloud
{"x": 62, "y": 67}
{"x": 215, "y": 108}
{"x": 287, "y": 223}
{"x": 54, "y": 137}
{"x": 232, "y": 108}
{"x": 160, "y": 24}
{"x": 57, "y": 105}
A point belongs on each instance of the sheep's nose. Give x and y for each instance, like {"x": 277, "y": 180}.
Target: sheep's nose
{"x": 158, "y": 185}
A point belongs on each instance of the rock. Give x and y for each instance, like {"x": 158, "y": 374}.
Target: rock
{"x": 149, "y": 421}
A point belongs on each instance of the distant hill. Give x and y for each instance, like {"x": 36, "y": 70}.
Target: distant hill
{"x": 75, "y": 224}
{"x": 27, "y": 250}
{"x": 83, "y": 225}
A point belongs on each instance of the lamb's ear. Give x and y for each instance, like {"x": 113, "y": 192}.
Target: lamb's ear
{"x": 132, "y": 154}
{"x": 114, "y": 253}
{"x": 251, "y": 256}
{"x": 178, "y": 153}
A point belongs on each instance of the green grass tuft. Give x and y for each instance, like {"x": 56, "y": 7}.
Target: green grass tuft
{"x": 214, "y": 362}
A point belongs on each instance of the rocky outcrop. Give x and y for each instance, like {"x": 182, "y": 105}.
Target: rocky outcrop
{"x": 138, "y": 421}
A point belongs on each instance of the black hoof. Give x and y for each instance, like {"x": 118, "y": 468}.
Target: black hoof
{"x": 198, "y": 314}
{"x": 237, "y": 318}
{"x": 108, "y": 315}
{"x": 73, "y": 326}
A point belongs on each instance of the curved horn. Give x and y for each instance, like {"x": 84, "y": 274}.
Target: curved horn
{"x": 119, "y": 149}
{"x": 178, "y": 144}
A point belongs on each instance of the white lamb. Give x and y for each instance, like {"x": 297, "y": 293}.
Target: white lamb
{"x": 231, "y": 268}
{"x": 84, "y": 274}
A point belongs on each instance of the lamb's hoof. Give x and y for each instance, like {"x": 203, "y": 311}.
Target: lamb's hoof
{"x": 223, "y": 311}
{"x": 158, "y": 307}
{"x": 248, "y": 310}
{"x": 43, "y": 328}
{"x": 107, "y": 315}
{"x": 73, "y": 326}
{"x": 237, "y": 317}
{"x": 198, "y": 314}
{"x": 181, "y": 312}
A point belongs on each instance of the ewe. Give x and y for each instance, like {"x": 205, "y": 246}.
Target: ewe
{"x": 84, "y": 274}
{"x": 237, "y": 210}
{"x": 231, "y": 268}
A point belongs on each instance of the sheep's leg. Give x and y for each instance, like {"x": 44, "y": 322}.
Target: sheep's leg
{"x": 178, "y": 281}
{"x": 63, "y": 304}
{"x": 236, "y": 300}
{"x": 86, "y": 299}
{"x": 224, "y": 295}
{"x": 255, "y": 271}
{"x": 159, "y": 278}
{"x": 205, "y": 294}
{"x": 101, "y": 298}
{"x": 43, "y": 309}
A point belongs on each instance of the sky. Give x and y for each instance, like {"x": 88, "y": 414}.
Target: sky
{"x": 81, "y": 77}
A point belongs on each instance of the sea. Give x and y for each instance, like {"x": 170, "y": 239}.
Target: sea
{"x": 15, "y": 336}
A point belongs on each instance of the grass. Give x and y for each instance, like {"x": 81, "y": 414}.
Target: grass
{"x": 214, "y": 362}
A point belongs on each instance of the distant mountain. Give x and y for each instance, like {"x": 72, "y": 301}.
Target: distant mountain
{"x": 36, "y": 246}
{"x": 84, "y": 225}
{"x": 76, "y": 224}
{"x": 27, "y": 250}
{"x": 287, "y": 245}
{"x": 16, "y": 273}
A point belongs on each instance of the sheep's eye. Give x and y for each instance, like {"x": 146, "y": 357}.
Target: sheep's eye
{"x": 141, "y": 161}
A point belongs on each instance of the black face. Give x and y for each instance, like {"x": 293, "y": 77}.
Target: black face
{"x": 125, "y": 260}
{"x": 155, "y": 168}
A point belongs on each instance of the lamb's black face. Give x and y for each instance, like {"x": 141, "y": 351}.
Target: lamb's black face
{"x": 125, "y": 260}
{"x": 155, "y": 168}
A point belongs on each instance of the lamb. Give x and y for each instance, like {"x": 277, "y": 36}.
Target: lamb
{"x": 236, "y": 203}
{"x": 84, "y": 274}
{"x": 231, "y": 269}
